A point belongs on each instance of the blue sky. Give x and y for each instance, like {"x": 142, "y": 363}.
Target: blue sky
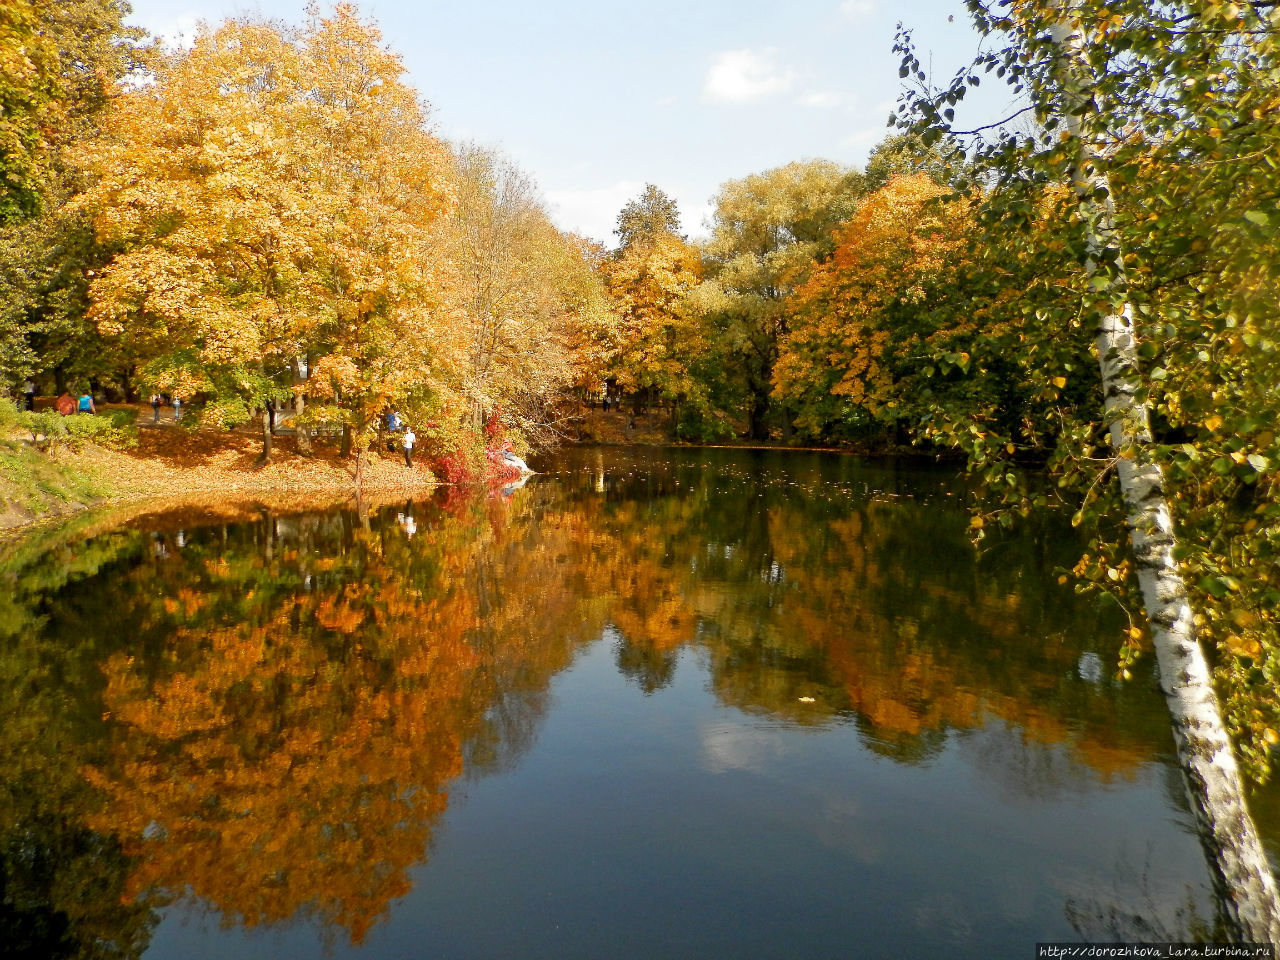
{"x": 594, "y": 99}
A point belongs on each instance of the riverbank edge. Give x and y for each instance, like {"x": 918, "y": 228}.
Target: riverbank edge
{"x": 69, "y": 482}
{"x": 99, "y": 478}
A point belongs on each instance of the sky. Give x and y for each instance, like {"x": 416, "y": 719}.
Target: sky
{"x": 596, "y": 99}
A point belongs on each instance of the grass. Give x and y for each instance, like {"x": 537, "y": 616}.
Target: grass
{"x": 31, "y": 483}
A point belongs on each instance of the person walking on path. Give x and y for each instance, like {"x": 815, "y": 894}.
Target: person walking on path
{"x": 406, "y": 440}
{"x": 29, "y": 394}
{"x": 155, "y": 408}
{"x": 66, "y": 404}
{"x": 85, "y": 403}
{"x": 177, "y": 408}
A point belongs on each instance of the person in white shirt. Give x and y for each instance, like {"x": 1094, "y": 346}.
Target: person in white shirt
{"x": 406, "y": 440}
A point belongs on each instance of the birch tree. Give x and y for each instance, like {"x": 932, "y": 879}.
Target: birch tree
{"x": 1125, "y": 95}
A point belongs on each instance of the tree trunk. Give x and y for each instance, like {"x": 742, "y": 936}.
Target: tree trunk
{"x": 267, "y": 434}
{"x": 1241, "y": 874}
{"x": 759, "y": 429}
{"x": 346, "y": 441}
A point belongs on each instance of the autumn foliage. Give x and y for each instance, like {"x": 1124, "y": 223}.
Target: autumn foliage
{"x": 868, "y": 303}
{"x": 281, "y": 227}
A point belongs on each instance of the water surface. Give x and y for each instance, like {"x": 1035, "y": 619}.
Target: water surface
{"x": 652, "y": 704}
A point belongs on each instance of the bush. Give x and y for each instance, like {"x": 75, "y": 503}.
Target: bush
{"x": 699, "y": 425}
{"x": 49, "y": 429}
{"x": 111, "y": 430}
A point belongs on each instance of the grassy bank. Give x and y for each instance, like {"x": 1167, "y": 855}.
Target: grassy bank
{"x": 34, "y": 484}
{"x": 121, "y": 455}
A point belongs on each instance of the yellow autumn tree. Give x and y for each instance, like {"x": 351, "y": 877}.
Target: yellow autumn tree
{"x": 524, "y": 300}
{"x": 658, "y": 341}
{"x": 270, "y": 198}
{"x": 386, "y": 189}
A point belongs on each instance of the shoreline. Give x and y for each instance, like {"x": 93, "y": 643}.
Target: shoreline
{"x": 217, "y": 472}
{"x": 173, "y": 466}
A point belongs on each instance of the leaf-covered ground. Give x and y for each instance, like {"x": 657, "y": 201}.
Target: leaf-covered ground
{"x": 170, "y": 461}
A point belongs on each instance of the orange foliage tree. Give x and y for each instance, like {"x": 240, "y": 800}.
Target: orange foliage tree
{"x": 269, "y": 198}
{"x": 873, "y": 301}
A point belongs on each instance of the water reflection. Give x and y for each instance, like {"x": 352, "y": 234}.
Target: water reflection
{"x": 266, "y": 714}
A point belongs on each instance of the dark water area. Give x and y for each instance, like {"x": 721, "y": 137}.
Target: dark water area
{"x": 666, "y": 703}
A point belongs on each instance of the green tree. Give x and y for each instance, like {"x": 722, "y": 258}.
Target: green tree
{"x": 649, "y": 215}
{"x": 767, "y": 231}
{"x": 1153, "y": 116}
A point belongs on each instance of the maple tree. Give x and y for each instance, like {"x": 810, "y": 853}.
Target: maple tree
{"x": 266, "y": 198}
{"x": 380, "y": 291}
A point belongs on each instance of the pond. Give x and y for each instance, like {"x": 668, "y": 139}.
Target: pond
{"x": 663, "y": 703}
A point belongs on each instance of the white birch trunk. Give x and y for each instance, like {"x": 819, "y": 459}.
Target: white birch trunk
{"x": 1238, "y": 864}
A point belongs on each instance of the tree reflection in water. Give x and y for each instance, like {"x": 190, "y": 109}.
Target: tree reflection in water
{"x": 267, "y": 715}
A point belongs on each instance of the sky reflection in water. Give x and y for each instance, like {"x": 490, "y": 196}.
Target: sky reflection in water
{"x": 673, "y": 703}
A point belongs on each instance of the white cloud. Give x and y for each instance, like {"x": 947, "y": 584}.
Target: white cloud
{"x": 592, "y": 211}
{"x": 743, "y": 76}
{"x": 858, "y": 9}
